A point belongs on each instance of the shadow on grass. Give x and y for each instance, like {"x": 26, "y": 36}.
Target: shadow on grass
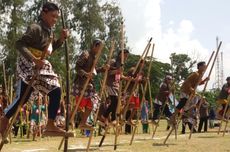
{"x": 142, "y": 139}
{"x": 206, "y": 136}
{"x": 81, "y": 149}
{"x": 109, "y": 144}
{"x": 161, "y": 144}
{"x": 23, "y": 140}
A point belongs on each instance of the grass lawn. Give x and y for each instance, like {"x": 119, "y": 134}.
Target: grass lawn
{"x": 200, "y": 142}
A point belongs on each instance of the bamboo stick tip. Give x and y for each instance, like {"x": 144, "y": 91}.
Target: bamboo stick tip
{"x": 150, "y": 39}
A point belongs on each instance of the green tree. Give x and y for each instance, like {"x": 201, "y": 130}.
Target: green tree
{"x": 158, "y": 71}
{"x": 88, "y": 21}
{"x": 181, "y": 66}
{"x": 112, "y": 17}
{"x": 13, "y": 27}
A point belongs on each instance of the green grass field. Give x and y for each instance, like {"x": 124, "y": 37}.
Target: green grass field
{"x": 200, "y": 142}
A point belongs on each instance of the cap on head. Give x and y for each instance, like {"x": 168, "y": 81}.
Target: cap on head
{"x": 200, "y": 64}
{"x": 228, "y": 78}
{"x": 48, "y": 6}
{"x": 96, "y": 42}
{"x": 168, "y": 77}
{"x": 125, "y": 51}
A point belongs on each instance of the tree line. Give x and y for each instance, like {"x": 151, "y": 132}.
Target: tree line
{"x": 87, "y": 20}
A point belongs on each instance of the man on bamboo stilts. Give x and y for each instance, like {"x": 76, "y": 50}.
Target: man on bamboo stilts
{"x": 188, "y": 89}
{"x": 112, "y": 86}
{"x": 134, "y": 103}
{"x": 222, "y": 100}
{"x": 83, "y": 67}
{"x": 162, "y": 100}
{"x": 38, "y": 38}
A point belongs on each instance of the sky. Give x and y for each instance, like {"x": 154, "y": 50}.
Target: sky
{"x": 180, "y": 26}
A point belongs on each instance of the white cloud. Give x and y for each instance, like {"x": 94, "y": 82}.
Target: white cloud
{"x": 143, "y": 20}
{"x": 186, "y": 27}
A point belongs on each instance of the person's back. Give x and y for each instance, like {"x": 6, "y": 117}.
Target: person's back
{"x": 204, "y": 110}
{"x": 212, "y": 114}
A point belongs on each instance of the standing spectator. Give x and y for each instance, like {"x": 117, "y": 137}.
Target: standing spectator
{"x": 145, "y": 116}
{"x": 212, "y": 117}
{"x": 203, "y": 116}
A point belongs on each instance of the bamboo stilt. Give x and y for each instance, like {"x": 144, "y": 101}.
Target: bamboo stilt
{"x": 206, "y": 84}
{"x": 191, "y": 96}
{"x": 101, "y": 91}
{"x": 118, "y": 109}
{"x": 221, "y": 121}
{"x": 82, "y": 91}
{"x": 225, "y": 127}
{"x": 146, "y": 84}
{"x": 158, "y": 120}
{"x": 137, "y": 65}
{"x": 135, "y": 84}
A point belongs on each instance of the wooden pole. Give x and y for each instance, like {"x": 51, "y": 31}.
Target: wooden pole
{"x": 84, "y": 89}
{"x": 86, "y": 84}
{"x": 106, "y": 71}
{"x": 4, "y": 77}
{"x": 137, "y": 65}
{"x": 149, "y": 71}
{"x": 133, "y": 89}
{"x": 158, "y": 120}
{"x": 222, "y": 119}
{"x": 190, "y": 97}
{"x": 118, "y": 110}
{"x": 10, "y": 100}
{"x": 135, "y": 83}
{"x": 206, "y": 83}
{"x": 101, "y": 91}
{"x": 145, "y": 87}
{"x": 150, "y": 98}
{"x": 67, "y": 84}
{"x": 227, "y": 119}
{"x": 205, "y": 86}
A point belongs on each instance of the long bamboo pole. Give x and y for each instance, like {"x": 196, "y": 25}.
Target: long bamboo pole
{"x": 67, "y": 84}
{"x": 145, "y": 88}
{"x": 206, "y": 83}
{"x": 158, "y": 120}
{"x": 4, "y": 77}
{"x": 191, "y": 96}
{"x": 101, "y": 91}
{"x": 150, "y": 98}
{"x": 118, "y": 109}
{"x": 86, "y": 84}
{"x": 223, "y": 118}
{"x": 137, "y": 65}
{"x": 135, "y": 83}
{"x": 83, "y": 90}
{"x": 227, "y": 119}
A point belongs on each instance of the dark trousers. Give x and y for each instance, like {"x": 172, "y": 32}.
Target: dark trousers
{"x": 127, "y": 126}
{"x": 184, "y": 127}
{"x": 54, "y": 100}
{"x": 112, "y": 108}
{"x": 16, "y": 128}
{"x": 203, "y": 120}
{"x": 181, "y": 103}
{"x": 158, "y": 109}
